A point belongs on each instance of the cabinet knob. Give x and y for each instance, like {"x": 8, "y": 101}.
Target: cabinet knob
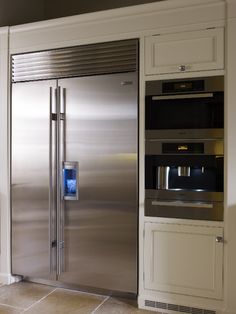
{"x": 182, "y": 68}
{"x": 219, "y": 239}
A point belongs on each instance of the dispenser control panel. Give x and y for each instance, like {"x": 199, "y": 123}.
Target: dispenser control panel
{"x": 70, "y": 184}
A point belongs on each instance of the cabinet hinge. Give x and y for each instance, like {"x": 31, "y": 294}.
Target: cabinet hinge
{"x": 143, "y": 276}
{"x": 143, "y": 233}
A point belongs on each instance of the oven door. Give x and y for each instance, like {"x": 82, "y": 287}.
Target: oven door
{"x": 195, "y": 115}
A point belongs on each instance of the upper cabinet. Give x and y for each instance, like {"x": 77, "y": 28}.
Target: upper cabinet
{"x": 185, "y": 52}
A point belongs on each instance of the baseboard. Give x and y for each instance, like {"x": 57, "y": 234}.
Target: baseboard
{"x": 8, "y": 279}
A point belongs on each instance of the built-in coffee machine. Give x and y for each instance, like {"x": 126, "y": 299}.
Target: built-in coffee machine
{"x": 184, "y": 154}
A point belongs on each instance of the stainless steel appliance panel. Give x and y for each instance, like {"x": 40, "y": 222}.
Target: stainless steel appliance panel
{"x": 32, "y": 188}
{"x": 196, "y": 106}
{"x": 99, "y": 240}
{"x": 210, "y": 146}
{"x": 197, "y": 210}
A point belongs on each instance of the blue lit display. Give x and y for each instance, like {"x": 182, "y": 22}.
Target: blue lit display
{"x": 70, "y": 183}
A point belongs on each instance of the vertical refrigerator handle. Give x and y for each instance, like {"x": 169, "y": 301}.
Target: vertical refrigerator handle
{"x": 61, "y": 129}
{"x": 62, "y": 126}
{"x": 58, "y": 181}
{"x": 52, "y": 179}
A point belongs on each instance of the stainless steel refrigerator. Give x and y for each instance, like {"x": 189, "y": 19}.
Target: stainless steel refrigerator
{"x": 74, "y": 186}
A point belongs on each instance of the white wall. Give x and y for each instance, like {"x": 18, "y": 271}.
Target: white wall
{"x": 4, "y": 160}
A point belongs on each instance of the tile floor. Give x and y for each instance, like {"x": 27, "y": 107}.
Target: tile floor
{"x": 31, "y": 298}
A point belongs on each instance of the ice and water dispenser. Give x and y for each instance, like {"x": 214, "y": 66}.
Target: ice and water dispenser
{"x": 70, "y": 187}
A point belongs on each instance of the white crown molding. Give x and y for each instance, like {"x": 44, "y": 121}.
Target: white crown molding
{"x": 116, "y": 13}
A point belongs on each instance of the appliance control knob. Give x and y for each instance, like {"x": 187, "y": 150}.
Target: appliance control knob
{"x": 219, "y": 239}
{"x": 182, "y": 68}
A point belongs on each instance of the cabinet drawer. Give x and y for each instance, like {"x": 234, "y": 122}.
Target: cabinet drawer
{"x": 183, "y": 259}
{"x": 185, "y": 52}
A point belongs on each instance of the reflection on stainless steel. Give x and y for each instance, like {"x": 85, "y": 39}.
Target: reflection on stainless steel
{"x": 184, "y": 209}
{"x": 185, "y": 108}
{"x": 180, "y": 183}
{"x": 101, "y": 58}
{"x": 183, "y": 171}
{"x": 100, "y": 228}
{"x": 182, "y": 204}
{"x": 31, "y": 218}
{"x": 211, "y": 146}
{"x": 189, "y": 96}
{"x": 92, "y": 241}
{"x": 163, "y": 178}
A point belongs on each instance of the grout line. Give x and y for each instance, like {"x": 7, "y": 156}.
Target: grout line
{"x": 100, "y": 305}
{"x": 39, "y": 300}
{"x": 12, "y": 306}
{"x": 82, "y": 292}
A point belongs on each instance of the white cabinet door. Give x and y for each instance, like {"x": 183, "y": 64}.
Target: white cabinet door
{"x": 185, "y": 52}
{"x": 183, "y": 259}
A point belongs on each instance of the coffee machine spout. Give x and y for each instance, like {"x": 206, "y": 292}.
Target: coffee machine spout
{"x": 183, "y": 171}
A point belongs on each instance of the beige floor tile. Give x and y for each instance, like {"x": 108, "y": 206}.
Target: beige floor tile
{"x": 23, "y": 294}
{"x": 9, "y": 310}
{"x": 64, "y": 301}
{"x": 121, "y": 306}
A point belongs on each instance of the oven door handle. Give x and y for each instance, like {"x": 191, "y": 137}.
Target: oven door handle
{"x": 182, "y": 204}
{"x": 187, "y": 96}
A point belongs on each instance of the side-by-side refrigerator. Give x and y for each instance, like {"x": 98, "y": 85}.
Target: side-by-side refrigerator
{"x": 74, "y": 170}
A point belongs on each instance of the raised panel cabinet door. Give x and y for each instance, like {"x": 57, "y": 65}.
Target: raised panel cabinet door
{"x": 183, "y": 259}
{"x": 185, "y": 52}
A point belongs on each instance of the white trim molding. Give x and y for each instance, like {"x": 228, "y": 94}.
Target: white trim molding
{"x": 123, "y": 23}
{"x": 8, "y": 279}
{"x": 5, "y": 257}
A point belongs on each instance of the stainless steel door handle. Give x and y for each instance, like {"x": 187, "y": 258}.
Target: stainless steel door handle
{"x": 62, "y": 122}
{"x": 52, "y": 177}
{"x": 187, "y": 96}
{"x": 182, "y": 204}
{"x": 58, "y": 179}
{"x": 50, "y": 180}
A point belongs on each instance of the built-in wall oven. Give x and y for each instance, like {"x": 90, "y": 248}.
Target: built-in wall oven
{"x": 190, "y": 108}
{"x": 184, "y": 149}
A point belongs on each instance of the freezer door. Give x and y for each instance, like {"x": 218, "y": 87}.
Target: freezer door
{"x": 99, "y": 240}
{"x": 32, "y": 188}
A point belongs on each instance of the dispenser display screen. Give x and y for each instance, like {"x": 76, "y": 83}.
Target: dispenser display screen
{"x": 70, "y": 183}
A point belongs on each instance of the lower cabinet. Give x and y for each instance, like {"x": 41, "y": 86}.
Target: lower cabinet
{"x": 183, "y": 259}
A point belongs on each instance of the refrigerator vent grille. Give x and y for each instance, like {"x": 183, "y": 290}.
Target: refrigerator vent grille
{"x": 177, "y": 308}
{"x": 93, "y": 59}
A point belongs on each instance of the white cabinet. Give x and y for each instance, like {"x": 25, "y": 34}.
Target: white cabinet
{"x": 183, "y": 259}
{"x": 185, "y": 52}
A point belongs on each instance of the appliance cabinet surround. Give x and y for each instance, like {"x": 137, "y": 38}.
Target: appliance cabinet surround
{"x": 183, "y": 259}
{"x": 199, "y": 50}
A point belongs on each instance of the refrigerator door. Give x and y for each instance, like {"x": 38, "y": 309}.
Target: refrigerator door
{"x": 32, "y": 189}
{"x": 99, "y": 240}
